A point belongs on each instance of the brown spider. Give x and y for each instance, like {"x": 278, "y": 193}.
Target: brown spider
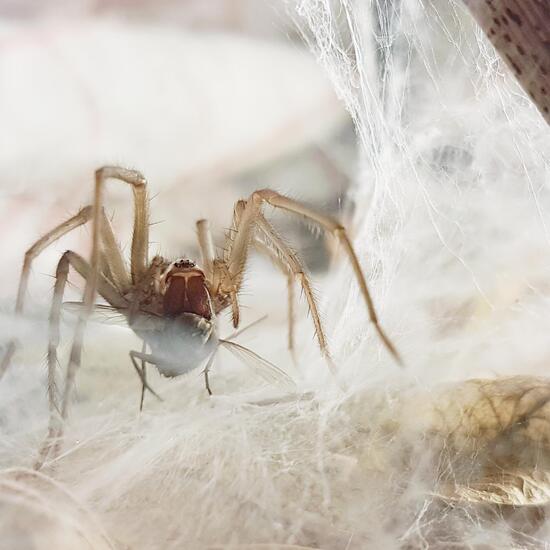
{"x": 172, "y": 306}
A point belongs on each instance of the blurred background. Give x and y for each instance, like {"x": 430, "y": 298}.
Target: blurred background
{"x": 209, "y": 100}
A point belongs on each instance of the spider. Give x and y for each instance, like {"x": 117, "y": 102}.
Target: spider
{"x": 172, "y": 306}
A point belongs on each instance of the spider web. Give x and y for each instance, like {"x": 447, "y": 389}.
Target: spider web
{"x": 451, "y": 218}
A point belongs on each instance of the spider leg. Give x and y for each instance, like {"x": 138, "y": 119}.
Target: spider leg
{"x": 216, "y": 271}
{"x": 249, "y": 217}
{"x": 115, "y": 265}
{"x": 54, "y": 425}
{"x": 228, "y": 273}
{"x": 268, "y": 251}
{"x": 293, "y": 264}
{"x": 237, "y": 243}
{"x": 140, "y": 237}
{"x": 103, "y": 264}
{"x": 92, "y": 277}
{"x": 56, "y": 233}
{"x": 206, "y": 246}
{"x": 107, "y": 290}
{"x": 291, "y": 315}
{"x": 140, "y": 242}
{"x": 112, "y": 261}
{"x": 105, "y": 287}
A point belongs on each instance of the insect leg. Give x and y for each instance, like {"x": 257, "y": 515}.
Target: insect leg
{"x": 144, "y": 371}
{"x": 207, "y": 370}
{"x": 144, "y": 357}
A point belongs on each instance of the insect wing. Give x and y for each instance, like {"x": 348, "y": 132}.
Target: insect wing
{"x": 100, "y": 314}
{"x": 103, "y": 313}
{"x": 268, "y": 371}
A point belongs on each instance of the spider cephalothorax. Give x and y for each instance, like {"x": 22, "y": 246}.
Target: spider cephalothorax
{"x": 184, "y": 290}
{"x": 172, "y": 306}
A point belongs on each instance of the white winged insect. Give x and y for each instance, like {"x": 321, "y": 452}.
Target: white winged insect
{"x": 143, "y": 323}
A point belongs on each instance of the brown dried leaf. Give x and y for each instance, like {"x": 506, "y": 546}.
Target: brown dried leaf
{"x": 494, "y": 438}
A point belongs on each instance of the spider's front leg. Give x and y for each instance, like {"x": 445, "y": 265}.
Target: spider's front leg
{"x": 264, "y": 247}
{"x": 222, "y": 286}
{"x": 248, "y": 217}
{"x": 248, "y": 223}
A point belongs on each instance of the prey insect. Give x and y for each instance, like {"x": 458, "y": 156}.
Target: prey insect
{"x": 172, "y": 306}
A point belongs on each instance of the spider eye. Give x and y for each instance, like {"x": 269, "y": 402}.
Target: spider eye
{"x": 184, "y": 263}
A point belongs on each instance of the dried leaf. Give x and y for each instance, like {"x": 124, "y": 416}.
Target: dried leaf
{"x": 494, "y": 440}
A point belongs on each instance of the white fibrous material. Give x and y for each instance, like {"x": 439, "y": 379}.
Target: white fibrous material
{"x": 448, "y": 451}
{"x": 452, "y": 219}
